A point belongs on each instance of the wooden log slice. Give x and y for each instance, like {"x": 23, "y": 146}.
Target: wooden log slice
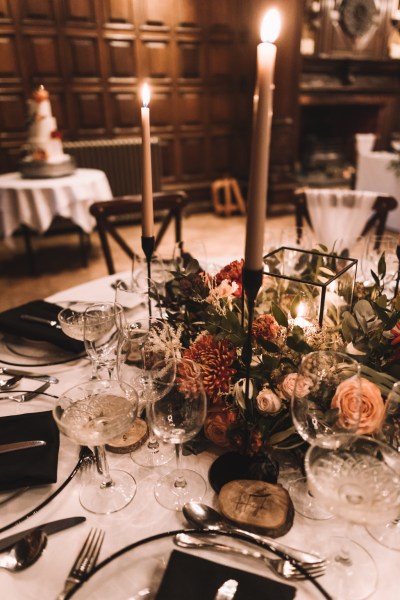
{"x": 262, "y": 507}
{"x": 131, "y": 440}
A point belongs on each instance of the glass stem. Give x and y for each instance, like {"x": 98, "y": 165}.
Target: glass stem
{"x": 180, "y": 481}
{"x": 94, "y": 369}
{"x": 102, "y": 466}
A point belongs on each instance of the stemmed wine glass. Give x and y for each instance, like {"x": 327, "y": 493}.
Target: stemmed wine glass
{"x": 177, "y": 417}
{"x": 146, "y": 345}
{"x": 326, "y": 408}
{"x": 91, "y": 414}
{"x": 137, "y": 297}
{"x": 388, "y": 534}
{"x": 102, "y": 326}
{"x": 360, "y": 482}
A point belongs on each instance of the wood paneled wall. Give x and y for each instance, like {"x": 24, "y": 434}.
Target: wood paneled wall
{"x": 199, "y": 57}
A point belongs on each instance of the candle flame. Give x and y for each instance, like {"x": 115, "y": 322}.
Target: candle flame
{"x": 271, "y": 26}
{"x": 145, "y": 94}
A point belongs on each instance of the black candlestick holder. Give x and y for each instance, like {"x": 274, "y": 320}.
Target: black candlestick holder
{"x": 148, "y": 245}
{"x": 251, "y": 280}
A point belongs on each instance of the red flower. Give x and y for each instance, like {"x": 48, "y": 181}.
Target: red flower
{"x": 215, "y": 358}
{"x": 232, "y": 272}
{"x": 56, "y": 135}
{"x": 265, "y": 327}
{"x": 396, "y": 334}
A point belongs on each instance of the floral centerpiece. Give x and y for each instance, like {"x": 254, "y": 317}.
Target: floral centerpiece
{"x": 209, "y": 313}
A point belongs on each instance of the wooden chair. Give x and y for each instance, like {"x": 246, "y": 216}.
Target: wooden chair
{"x": 380, "y": 210}
{"x": 112, "y": 214}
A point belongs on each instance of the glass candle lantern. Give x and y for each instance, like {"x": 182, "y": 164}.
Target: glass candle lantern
{"x": 311, "y": 286}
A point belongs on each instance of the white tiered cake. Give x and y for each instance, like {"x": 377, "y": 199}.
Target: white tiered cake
{"x": 44, "y": 151}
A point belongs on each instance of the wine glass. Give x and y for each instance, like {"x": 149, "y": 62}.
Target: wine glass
{"x": 136, "y": 296}
{"x": 359, "y": 482}
{"x": 177, "y": 417}
{"x": 388, "y": 534}
{"x": 102, "y": 326}
{"x": 147, "y": 344}
{"x": 192, "y": 253}
{"x": 94, "y": 413}
{"x": 157, "y": 273}
{"x": 326, "y": 407}
{"x": 375, "y": 246}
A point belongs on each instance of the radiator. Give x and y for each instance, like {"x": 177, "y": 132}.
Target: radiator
{"x": 120, "y": 159}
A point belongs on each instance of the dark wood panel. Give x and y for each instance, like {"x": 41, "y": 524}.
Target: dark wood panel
{"x": 42, "y": 11}
{"x": 119, "y": 13}
{"x": 156, "y": 13}
{"x": 89, "y": 111}
{"x": 12, "y": 113}
{"x": 221, "y": 155}
{"x": 84, "y": 56}
{"x": 189, "y": 14}
{"x": 193, "y": 153}
{"x": 190, "y": 59}
{"x": 9, "y": 66}
{"x": 5, "y": 11}
{"x": 121, "y": 58}
{"x": 42, "y": 57}
{"x": 191, "y": 107}
{"x": 125, "y": 110}
{"x": 156, "y": 57}
{"x": 80, "y": 13}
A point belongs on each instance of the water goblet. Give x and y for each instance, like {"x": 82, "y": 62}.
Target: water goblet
{"x": 388, "y": 534}
{"x": 359, "y": 482}
{"x": 326, "y": 408}
{"x": 94, "y": 413}
{"x": 102, "y": 326}
{"x": 177, "y": 417}
{"x": 147, "y": 344}
{"x": 137, "y": 295}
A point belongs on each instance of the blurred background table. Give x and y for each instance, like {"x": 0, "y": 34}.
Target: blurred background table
{"x": 32, "y": 204}
{"x": 375, "y": 175}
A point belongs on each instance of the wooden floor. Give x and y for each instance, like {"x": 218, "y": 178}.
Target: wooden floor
{"x": 59, "y": 261}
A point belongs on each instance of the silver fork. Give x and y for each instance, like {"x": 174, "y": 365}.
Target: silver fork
{"x": 282, "y": 567}
{"x": 26, "y": 396}
{"x": 85, "y": 561}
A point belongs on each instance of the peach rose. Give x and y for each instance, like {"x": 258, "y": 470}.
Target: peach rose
{"x": 294, "y": 381}
{"x": 372, "y": 408}
{"x": 216, "y": 426}
{"x": 268, "y": 402}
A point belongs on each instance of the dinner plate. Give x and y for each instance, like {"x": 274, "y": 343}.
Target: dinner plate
{"x": 136, "y": 571}
{"x": 23, "y": 352}
{"x": 15, "y": 504}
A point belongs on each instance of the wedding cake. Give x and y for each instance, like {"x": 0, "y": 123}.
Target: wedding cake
{"x": 44, "y": 155}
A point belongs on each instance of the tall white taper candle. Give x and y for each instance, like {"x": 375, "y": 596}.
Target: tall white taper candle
{"x": 261, "y": 137}
{"x": 147, "y": 184}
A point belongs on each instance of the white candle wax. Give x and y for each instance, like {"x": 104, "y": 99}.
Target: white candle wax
{"x": 147, "y": 184}
{"x": 258, "y": 179}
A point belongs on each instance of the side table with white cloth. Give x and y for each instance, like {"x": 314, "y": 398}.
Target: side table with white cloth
{"x": 34, "y": 203}
{"x": 374, "y": 174}
{"x": 128, "y": 575}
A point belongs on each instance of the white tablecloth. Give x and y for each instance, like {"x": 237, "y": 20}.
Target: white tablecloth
{"x": 35, "y": 202}
{"x": 144, "y": 516}
{"x": 374, "y": 175}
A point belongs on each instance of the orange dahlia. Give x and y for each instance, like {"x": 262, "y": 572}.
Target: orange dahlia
{"x": 215, "y": 358}
{"x": 265, "y": 327}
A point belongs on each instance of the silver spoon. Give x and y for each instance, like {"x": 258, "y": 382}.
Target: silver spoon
{"x": 25, "y": 552}
{"x": 9, "y": 384}
{"x": 206, "y": 517}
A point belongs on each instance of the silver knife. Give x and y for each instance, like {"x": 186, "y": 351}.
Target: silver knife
{"x": 29, "y": 374}
{"x": 21, "y": 445}
{"x": 48, "y": 528}
{"x": 41, "y": 320}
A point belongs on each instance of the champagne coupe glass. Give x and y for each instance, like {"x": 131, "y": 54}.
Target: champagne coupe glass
{"x": 388, "y": 534}
{"x": 102, "y": 326}
{"x": 146, "y": 343}
{"x": 326, "y": 407}
{"x": 359, "y": 482}
{"x": 94, "y": 413}
{"x": 177, "y": 417}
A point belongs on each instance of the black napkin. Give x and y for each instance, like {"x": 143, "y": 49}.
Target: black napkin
{"x": 10, "y": 322}
{"x": 32, "y": 466}
{"x": 191, "y": 577}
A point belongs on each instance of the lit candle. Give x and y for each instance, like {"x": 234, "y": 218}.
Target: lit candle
{"x": 147, "y": 184}
{"x": 258, "y": 180}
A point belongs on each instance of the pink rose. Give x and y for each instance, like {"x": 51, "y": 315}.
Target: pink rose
{"x": 372, "y": 407}
{"x": 294, "y": 382}
{"x": 216, "y": 426}
{"x": 268, "y": 402}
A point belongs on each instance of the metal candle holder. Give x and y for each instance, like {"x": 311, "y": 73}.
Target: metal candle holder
{"x": 148, "y": 245}
{"x": 251, "y": 280}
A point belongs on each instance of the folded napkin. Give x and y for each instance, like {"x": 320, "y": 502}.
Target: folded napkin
{"x": 32, "y": 466}
{"x": 10, "y": 322}
{"x": 192, "y": 577}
